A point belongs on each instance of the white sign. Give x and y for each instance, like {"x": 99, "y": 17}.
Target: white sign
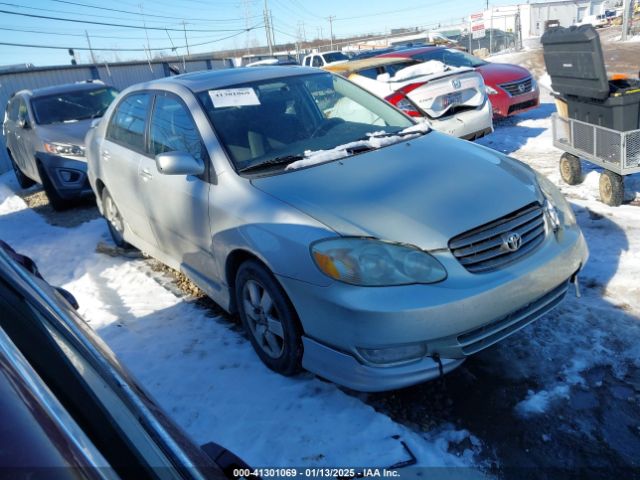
{"x": 234, "y": 97}
{"x": 477, "y": 25}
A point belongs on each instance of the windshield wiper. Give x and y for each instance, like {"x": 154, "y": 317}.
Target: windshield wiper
{"x": 284, "y": 160}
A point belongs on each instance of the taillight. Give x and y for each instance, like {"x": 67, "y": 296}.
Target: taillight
{"x": 403, "y": 103}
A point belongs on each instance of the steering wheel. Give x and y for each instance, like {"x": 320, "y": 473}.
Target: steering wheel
{"x": 326, "y": 125}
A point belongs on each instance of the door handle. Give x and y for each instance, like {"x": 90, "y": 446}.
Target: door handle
{"x": 146, "y": 174}
{"x": 106, "y": 155}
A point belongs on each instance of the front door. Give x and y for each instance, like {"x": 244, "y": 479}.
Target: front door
{"x": 177, "y": 204}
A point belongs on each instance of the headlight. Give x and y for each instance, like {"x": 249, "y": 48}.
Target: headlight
{"x": 64, "y": 149}
{"x": 369, "y": 263}
{"x": 491, "y": 90}
{"x": 557, "y": 208}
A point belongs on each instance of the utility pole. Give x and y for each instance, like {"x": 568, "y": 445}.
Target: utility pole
{"x": 267, "y": 27}
{"x": 174, "y": 49}
{"x": 625, "y": 19}
{"x": 331, "y": 17}
{"x": 273, "y": 30}
{"x": 186, "y": 41}
{"x": 144, "y": 23}
{"x": 93, "y": 58}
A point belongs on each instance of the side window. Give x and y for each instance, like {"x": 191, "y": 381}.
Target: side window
{"x": 306, "y": 61}
{"x": 173, "y": 129}
{"x": 317, "y": 61}
{"x": 128, "y": 121}
{"x": 22, "y": 109}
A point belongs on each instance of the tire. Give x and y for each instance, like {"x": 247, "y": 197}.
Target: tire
{"x": 23, "y": 180}
{"x": 611, "y": 188}
{"x": 57, "y": 202}
{"x": 114, "y": 219}
{"x": 570, "y": 169}
{"x": 268, "y": 318}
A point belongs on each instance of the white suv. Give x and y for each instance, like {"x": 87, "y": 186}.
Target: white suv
{"x": 323, "y": 59}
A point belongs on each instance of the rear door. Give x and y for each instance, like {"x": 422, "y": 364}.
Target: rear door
{"x": 177, "y": 204}
{"x": 24, "y": 140}
{"x": 120, "y": 154}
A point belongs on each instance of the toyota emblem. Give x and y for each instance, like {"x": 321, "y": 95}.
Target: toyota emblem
{"x": 512, "y": 241}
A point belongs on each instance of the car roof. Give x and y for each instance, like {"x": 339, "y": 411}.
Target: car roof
{"x": 212, "y": 79}
{"x": 65, "y": 88}
{"x": 409, "y": 52}
{"x": 357, "y": 65}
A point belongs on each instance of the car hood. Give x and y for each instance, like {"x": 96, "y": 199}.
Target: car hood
{"x": 497, "y": 73}
{"x": 422, "y": 192}
{"x": 72, "y": 133}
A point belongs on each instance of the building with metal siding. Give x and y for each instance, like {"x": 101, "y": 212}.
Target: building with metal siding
{"x": 120, "y": 75}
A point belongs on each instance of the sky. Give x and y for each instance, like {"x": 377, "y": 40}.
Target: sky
{"x": 209, "y": 25}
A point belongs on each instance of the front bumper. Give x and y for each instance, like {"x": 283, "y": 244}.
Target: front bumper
{"x": 69, "y": 176}
{"x": 504, "y": 105}
{"x": 469, "y": 124}
{"x": 455, "y": 318}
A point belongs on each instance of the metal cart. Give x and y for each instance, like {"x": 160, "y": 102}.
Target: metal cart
{"x": 615, "y": 151}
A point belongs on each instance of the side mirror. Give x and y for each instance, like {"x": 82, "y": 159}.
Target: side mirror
{"x": 178, "y": 163}
{"x": 23, "y": 123}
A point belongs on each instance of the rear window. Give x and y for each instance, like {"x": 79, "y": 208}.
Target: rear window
{"x": 72, "y": 106}
{"x": 334, "y": 57}
{"x": 451, "y": 57}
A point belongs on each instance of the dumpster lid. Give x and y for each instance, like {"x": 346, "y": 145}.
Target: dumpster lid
{"x": 574, "y": 61}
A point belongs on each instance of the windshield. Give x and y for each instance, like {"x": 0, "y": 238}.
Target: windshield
{"x": 334, "y": 57}
{"x": 260, "y": 122}
{"x": 451, "y": 57}
{"x": 72, "y": 106}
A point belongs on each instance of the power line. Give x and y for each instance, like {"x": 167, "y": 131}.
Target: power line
{"x": 32, "y": 15}
{"x": 118, "y": 37}
{"x": 58, "y": 47}
{"x": 173, "y": 17}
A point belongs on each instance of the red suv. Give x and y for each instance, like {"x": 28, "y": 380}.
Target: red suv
{"x": 512, "y": 89}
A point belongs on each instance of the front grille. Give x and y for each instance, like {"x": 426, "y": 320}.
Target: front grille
{"x": 518, "y": 88}
{"x": 482, "y": 337}
{"x": 521, "y": 106}
{"x": 484, "y": 249}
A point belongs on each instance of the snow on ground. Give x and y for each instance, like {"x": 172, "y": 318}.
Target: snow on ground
{"x": 603, "y": 327}
{"x": 202, "y": 371}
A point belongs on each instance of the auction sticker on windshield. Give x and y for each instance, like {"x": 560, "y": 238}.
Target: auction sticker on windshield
{"x": 234, "y": 97}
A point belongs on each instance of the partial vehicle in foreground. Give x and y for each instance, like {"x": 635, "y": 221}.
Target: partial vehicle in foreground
{"x": 322, "y": 59}
{"x": 44, "y": 132}
{"x": 376, "y": 253}
{"x": 512, "y": 89}
{"x": 69, "y": 409}
{"x": 450, "y": 100}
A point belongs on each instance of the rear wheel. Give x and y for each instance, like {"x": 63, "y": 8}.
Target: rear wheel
{"x": 114, "y": 219}
{"x": 56, "y": 201}
{"x": 23, "y": 180}
{"x": 570, "y": 169}
{"x": 269, "y": 318}
{"x": 611, "y": 188}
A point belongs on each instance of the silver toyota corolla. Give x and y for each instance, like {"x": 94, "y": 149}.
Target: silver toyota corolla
{"x": 376, "y": 254}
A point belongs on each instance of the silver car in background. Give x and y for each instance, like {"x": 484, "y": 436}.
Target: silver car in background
{"x": 44, "y": 132}
{"x": 377, "y": 255}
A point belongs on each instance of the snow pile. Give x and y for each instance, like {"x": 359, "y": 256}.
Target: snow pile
{"x": 202, "y": 371}
{"x": 601, "y": 329}
{"x": 545, "y": 81}
{"x": 375, "y": 140}
{"x": 431, "y": 67}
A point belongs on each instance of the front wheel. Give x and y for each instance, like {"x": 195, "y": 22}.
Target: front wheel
{"x": 114, "y": 219}
{"x": 269, "y": 318}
